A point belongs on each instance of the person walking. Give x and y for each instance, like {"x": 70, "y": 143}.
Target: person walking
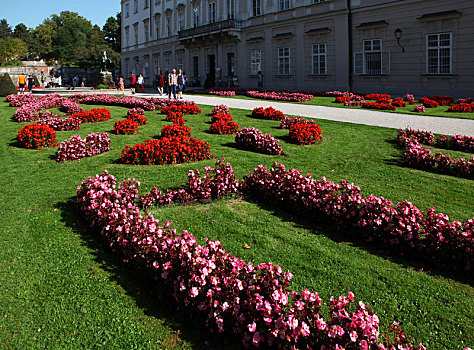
{"x": 260, "y": 79}
{"x": 21, "y": 83}
{"x": 167, "y": 86}
{"x": 172, "y": 82}
{"x": 83, "y": 81}
{"x": 31, "y": 83}
{"x": 181, "y": 81}
{"x": 121, "y": 85}
{"x": 140, "y": 82}
{"x": 133, "y": 82}
{"x": 161, "y": 83}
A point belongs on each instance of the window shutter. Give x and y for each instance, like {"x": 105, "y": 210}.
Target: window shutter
{"x": 386, "y": 62}
{"x": 358, "y": 63}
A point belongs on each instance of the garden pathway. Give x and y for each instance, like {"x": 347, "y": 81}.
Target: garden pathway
{"x": 437, "y": 125}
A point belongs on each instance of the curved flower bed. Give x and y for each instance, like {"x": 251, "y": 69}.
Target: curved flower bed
{"x": 253, "y": 139}
{"x": 376, "y": 97}
{"x": 226, "y": 127}
{"x": 214, "y": 184}
{"x": 305, "y": 133}
{"x": 76, "y": 147}
{"x": 462, "y": 108}
{"x": 342, "y": 99}
{"x": 95, "y": 115}
{"x": 110, "y": 100}
{"x": 36, "y": 136}
{"x": 58, "y": 123}
{"x": 221, "y": 117}
{"x": 269, "y": 113}
{"x": 420, "y": 157}
{"x": 137, "y": 118}
{"x": 175, "y": 130}
{"x": 160, "y": 103}
{"x": 137, "y": 110}
{"x": 287, "y": 122}
{"x": 221, "y": 92}
{"x": 230, "y": 295}
{"x": 457, "y": 142}
{"x": 398, "y": 102}
{"x": 379, "y": 106}
{"x": 166, "y": 151}
{"x": 281, "y": 96}
{"x": 403, "y": 228}
{"x": 442, "y": 100}
{"x": 428, "y": 103}
{"x": 125, "y": 127}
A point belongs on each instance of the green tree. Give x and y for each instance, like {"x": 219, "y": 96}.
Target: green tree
{"x": 43, "y": 38}
{"x": 12, "y": 49}
{"x": 112, "y": 32}
{"x": 5, "y": 29}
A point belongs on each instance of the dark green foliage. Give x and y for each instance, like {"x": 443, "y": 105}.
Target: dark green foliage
{"x": 6, "y": 85}
{"x": 36, "y": 81}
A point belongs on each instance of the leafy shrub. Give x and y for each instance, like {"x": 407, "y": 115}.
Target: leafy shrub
{"x": 305, "y": 134}
{"x": 36, "y": 136}
{"x": 7, "y": 87}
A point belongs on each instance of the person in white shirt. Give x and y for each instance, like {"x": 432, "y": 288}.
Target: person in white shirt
{"x": 140, "y": 82}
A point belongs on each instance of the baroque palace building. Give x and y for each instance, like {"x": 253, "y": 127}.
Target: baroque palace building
{"x": 417, "y": 46}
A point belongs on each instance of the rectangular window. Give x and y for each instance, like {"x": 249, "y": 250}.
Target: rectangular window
{"x": 145, "y": 4}
{"x": 146, "y": 68}
{"x": 257, "y": 7}
{"x": 157, "y": 65}
{"x": 284, "y": 61}
{"x": 180, "y": 21}
{"x": 195, "y": 66}
{"x": 255, "y": 61}
{"x": 318, "y": 1}
{"x": 179, "y": 63}
{"x": 135, "y": 33}
{"x": 438, "y": 53}
{"x": 319, "y": 58}
{"x": 135, "y": 6}
{"x": 230, "y": 9}
{"x": 127, "y": 10}
{"x": 146, "y": 28}
{"x": 284, "y": 5}
{"x": 167, "y": 63}
{"x": 195, "y": 17}
{"x": 168, "y": 26}
{"x": 373, "y": 57}
{"x": 157, "y": 27}
{"x": 127, "y": 36}
{"x": 212, "y": 12}
{"x": 127, "y": 68}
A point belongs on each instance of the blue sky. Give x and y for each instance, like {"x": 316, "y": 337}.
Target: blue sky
{"x": 33, "y": 12}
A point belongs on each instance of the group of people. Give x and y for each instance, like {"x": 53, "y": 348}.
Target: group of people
{"x": 24, "y": 81}
{"x": 169, "y": 83}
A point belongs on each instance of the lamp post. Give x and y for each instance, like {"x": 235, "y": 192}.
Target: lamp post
{"x": 398, "y": 35}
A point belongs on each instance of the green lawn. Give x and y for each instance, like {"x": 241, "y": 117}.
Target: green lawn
{"x": 63, "y": 289}
{"x": 440, "y": 111}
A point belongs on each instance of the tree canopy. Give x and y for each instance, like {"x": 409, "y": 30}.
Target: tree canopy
{"x": 68, "y": 38}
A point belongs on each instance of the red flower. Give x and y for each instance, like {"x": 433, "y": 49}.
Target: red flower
{"x": 36, "y": 136}
{"x": 93, "y": 116}
{"x": 305, "y": 133}
{"x": 125, "y": 127}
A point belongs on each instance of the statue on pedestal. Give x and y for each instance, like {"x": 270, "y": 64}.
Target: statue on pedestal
{"x": 106, "y": 76}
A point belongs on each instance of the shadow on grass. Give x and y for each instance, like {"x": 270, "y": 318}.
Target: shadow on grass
{"x": 333, "y": 232}
{"x": 142, "y": 287}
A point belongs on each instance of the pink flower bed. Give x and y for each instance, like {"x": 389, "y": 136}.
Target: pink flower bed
{"x": 287, "y": 122}
{"x": 456, "y": 142}
{"x": 281, "y": 96}
{"x": 419, "y": 109}
{"x": 60, "y": 124}
{"x": 229, "y": 295}
{"x": 76, "y": 148}
{"x": 215, "y": 183}
{"x": 420, "y": 157}
{"x": 253, "y": 139}
{"x": 111, "y": 100}
{"x": 138, "y": 111}
{"x": 220, "y": 109}
{"x": 29, "y": 108}
{"x": 221, "y": 92}
{"x": 403, "y": 228}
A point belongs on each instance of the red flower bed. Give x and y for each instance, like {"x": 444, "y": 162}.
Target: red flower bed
{"x": 137, "y": 118}
{"x": 95, "y": 115}
{"x": 224, "y": 127}
{"x": 167, "y": 151}
{"x": 380, "y": 106}
{"x": 126, "y": 127}
{"x": 171, "y": 116}
{"x": 398, "y": 102}
{"x": 185, "y": 109}
{"x": 428, "y": 103}
{"x": 36, "y": 136}
{"x": 175, "y": 130}
{"x": 305, "y": 134}
{"x": 342, "y": 99}
{"x": 267, "y": 113}
{"x": 378, "y": 97}
{"x": 221, "y": 116}
{"x": 462, "y": 108}
{"x": 442, "y": 100}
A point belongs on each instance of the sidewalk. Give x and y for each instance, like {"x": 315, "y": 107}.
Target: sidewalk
{"x": 438, "y": 125}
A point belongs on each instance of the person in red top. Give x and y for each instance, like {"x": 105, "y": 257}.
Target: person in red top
{"x": 133, "y": 83}
{"x": 161, "y": 83}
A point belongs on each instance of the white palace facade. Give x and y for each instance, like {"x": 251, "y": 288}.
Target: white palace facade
{"x": 417, "y": 46}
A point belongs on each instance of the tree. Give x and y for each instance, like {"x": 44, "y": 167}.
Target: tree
{"x": 12, "y": 49}
{"x": 5, "y": 29}
{"x": 43, "y": 38}
{"x": 112, "y": 32}
{"x": 6, "y": 85}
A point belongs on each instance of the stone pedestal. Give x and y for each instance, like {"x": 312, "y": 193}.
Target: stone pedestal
{"x": 105, "y": 78}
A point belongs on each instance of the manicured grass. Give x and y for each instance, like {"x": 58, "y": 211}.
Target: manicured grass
{"x": 63, "y": 289}
{"x": 440, "y": 111}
